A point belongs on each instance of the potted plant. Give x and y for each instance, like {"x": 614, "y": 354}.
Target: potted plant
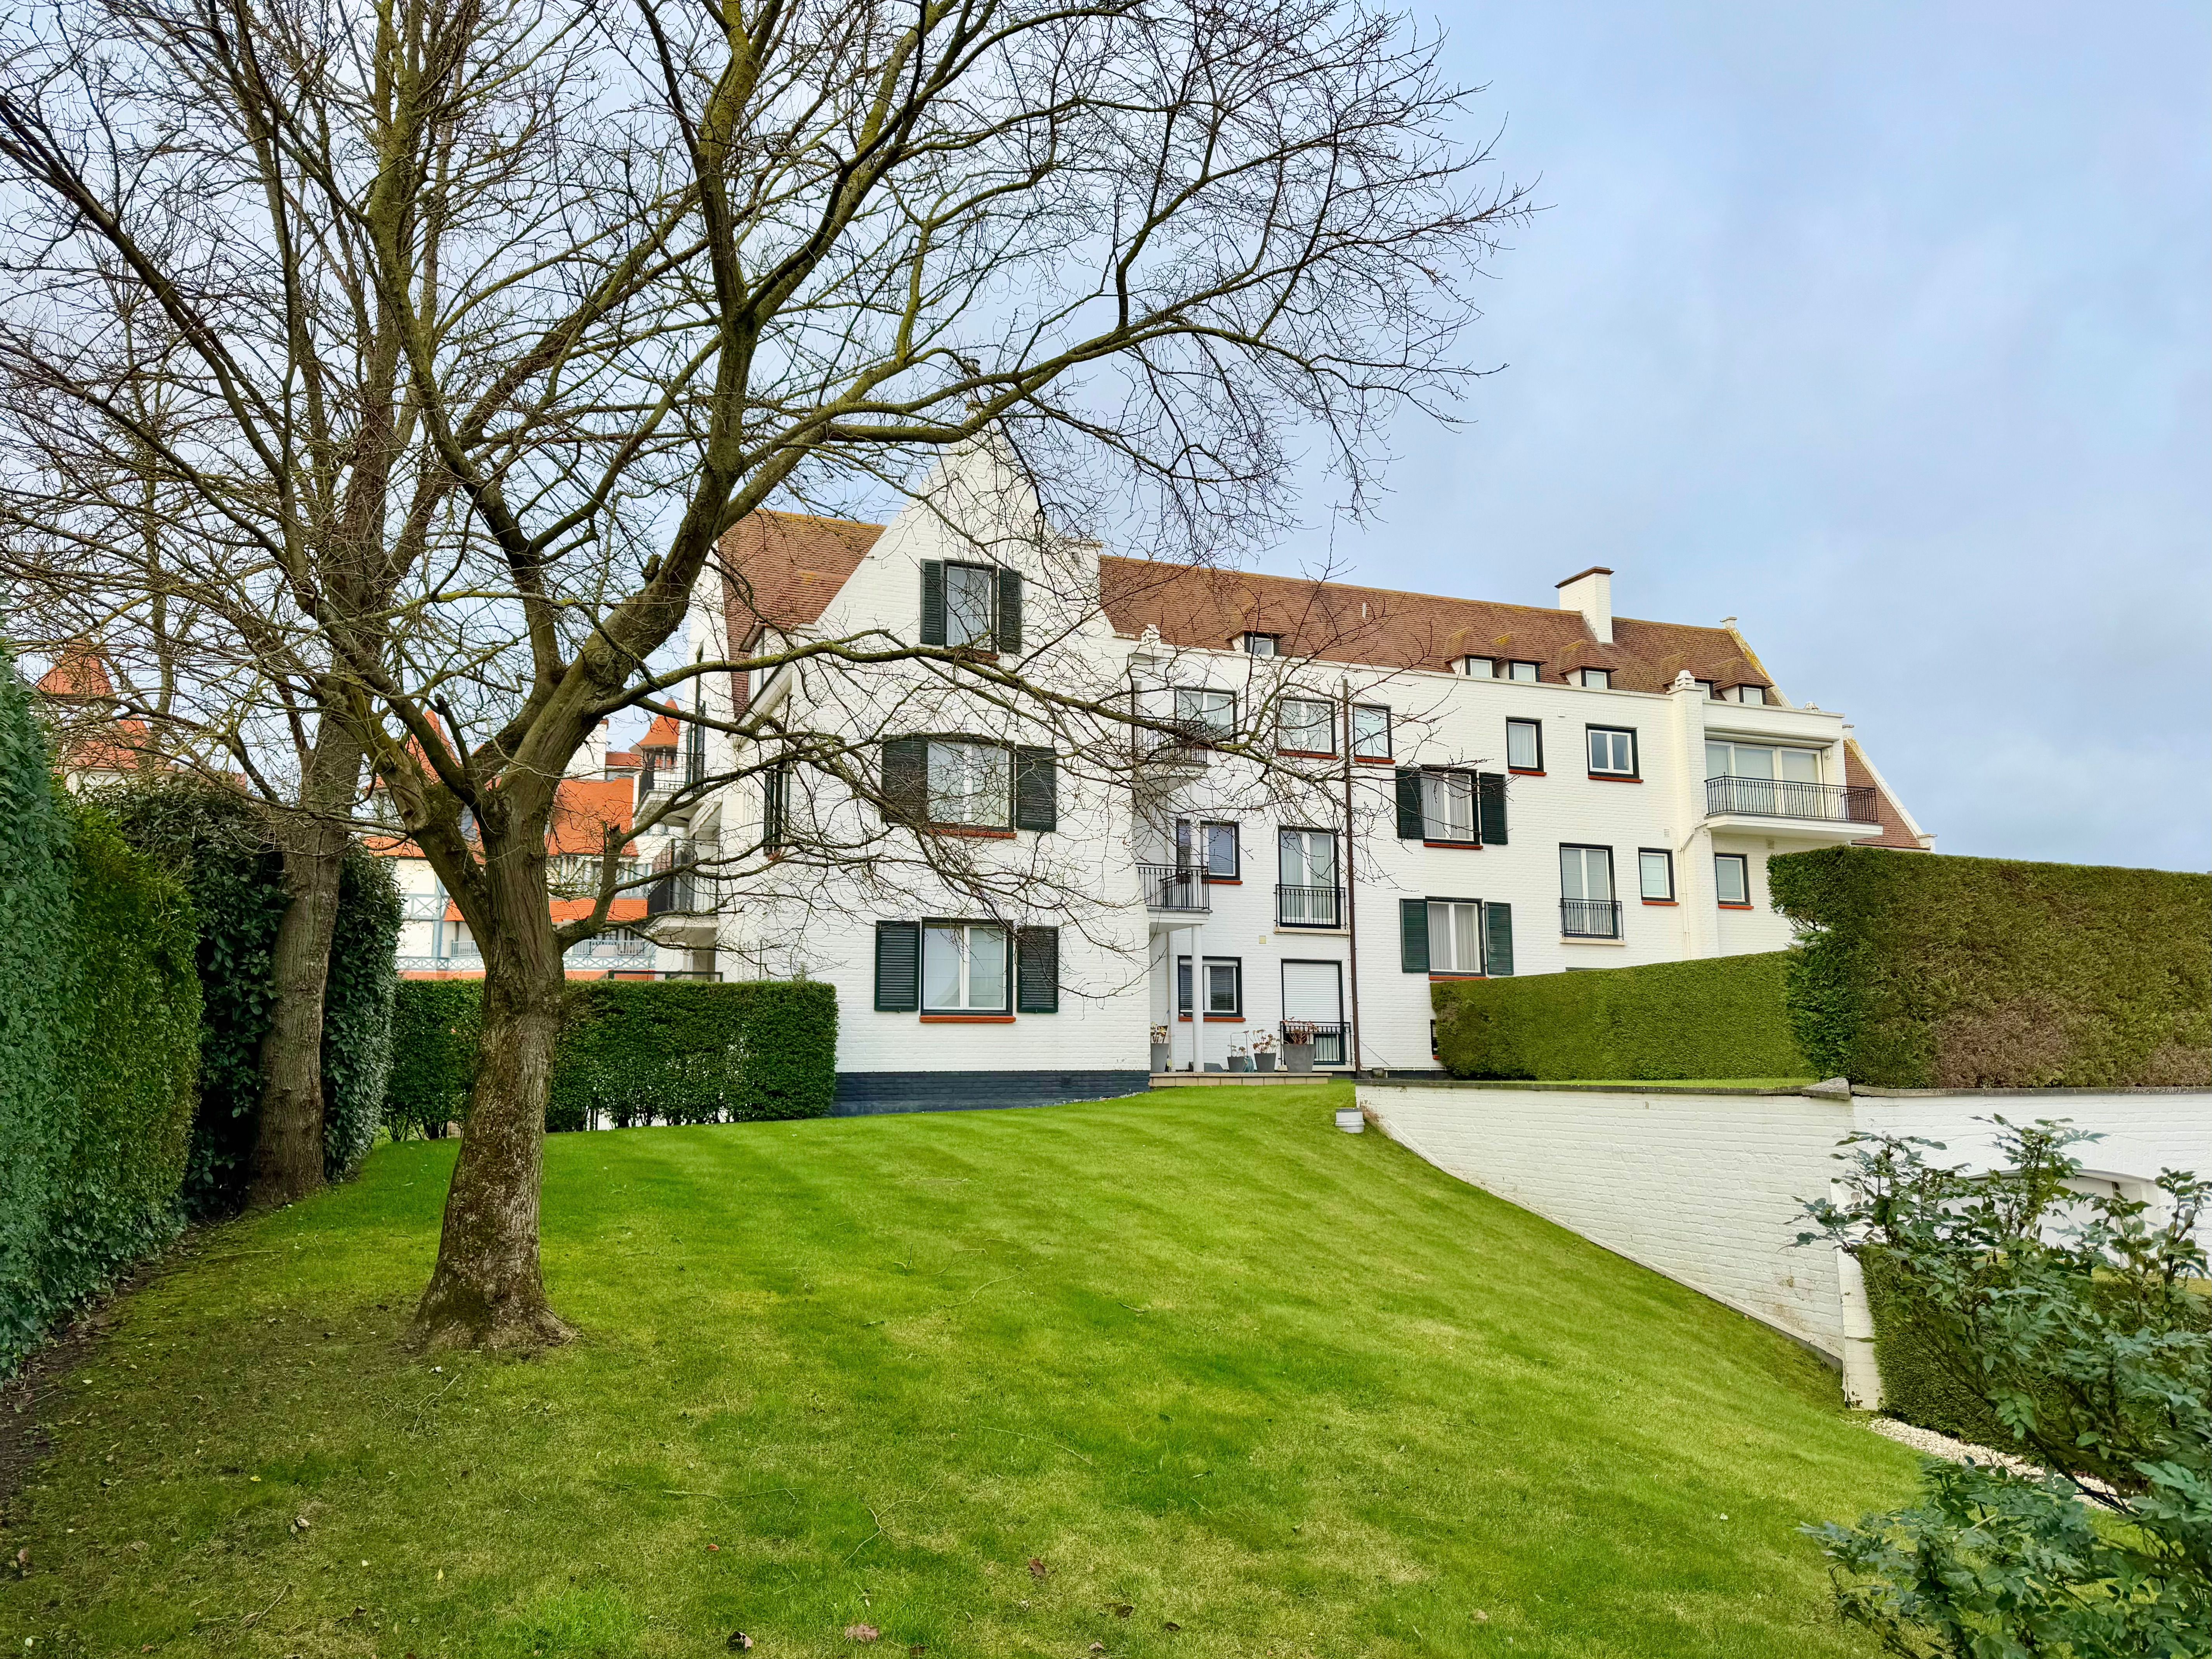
{"x": 1161, "y": 1053}
{"x": 1298, "y": 1045}
{"x": 1263, "y": 1051}
{"x": 1239, "y": 1060}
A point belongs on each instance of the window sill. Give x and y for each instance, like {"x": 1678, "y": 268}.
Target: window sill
{"x": 1225, "y": 1019}
{"x": 1305, "y": 754}
{"x": 974, "y": 831}
{"x": 1526, "y": 771}
{"x": 1669, "y": 902}
{"x": 1464, "y": 846}
{"x": 973, "y": 653}
{"x": 1578, "y": 939}
{"x": 1225, "y": 881}
{"x": 967, "y": 1019}
{"x": 1372, "y": 760}
{"x": 1434, "y": 976}
{"x": 1727, "y": 904}
{"x": 1613, "y": 777}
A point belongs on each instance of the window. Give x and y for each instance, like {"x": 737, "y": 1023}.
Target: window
{"x": 1263, "y": 645}
{"x": 1448, "y": 807}
{"x": 1586, "y": 909}
{"x": 964, "y": 968}
{"x": 1732, "y": 879}
{"x": 1309, "y": 893}
{"x": 969, "y": 783}
{"x": 1222, "y": 863}
{"x": 970, "y": 592}
{"x": 1656, "y": 868}
{"x": 1597, "y": 678}
{"x": 1751, "y": 693}
{"x": 1479, "y": 668}
{"x": 1611, "y": 752}
{"x": 1370, "y": 732}
{"x": 1308, "y": 726}
{"x": 1213, "y": 713}
{"x": 775, "y": 808}
{"x": 1724, "y": 759}
{"x": 1707, "y": 686}
{"x": 1524, "y": 745}
{"x": 1223, "y": 978}
{"x": 1455, "y": 937}
{"x": 1523, "y": 670}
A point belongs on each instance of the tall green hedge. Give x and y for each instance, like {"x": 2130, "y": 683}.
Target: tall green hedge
{"x": 1924, "y": 972}
{"x": 634, "y": 1051}
{"x": 99, "y": 1041}
{"x": 217, "y": 843}
{"x": 1721, "y": 1017}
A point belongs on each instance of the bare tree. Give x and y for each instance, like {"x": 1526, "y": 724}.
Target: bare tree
{"x": 577, "y": 288}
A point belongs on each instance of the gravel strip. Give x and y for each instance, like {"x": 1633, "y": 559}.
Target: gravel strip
{"x": 1960, "y": 1451}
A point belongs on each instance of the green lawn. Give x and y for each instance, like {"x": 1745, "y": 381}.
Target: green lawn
{"x": 1208, "y": 1362}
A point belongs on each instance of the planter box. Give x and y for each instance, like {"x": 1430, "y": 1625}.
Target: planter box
{"x": 1264, "y": 1062}
{"x": 1240, "y": 1062}
{"x": 1161, "y": 1053}
{"x": 1298, "y": 1056}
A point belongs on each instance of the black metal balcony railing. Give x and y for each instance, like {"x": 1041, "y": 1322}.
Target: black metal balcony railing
{"x": 1329, "y": 1038}
{"x": 1174, "y": 887}
{"x": 1309, "y": 907}
{"x": 1590, "y": 918}
{"x": 678, "y": 890}
{"x": 1776, "y": 798}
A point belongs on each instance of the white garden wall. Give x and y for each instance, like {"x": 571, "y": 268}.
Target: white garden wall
{"x": 1705, "y": 1186}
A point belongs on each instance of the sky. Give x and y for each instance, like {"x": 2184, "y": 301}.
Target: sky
{"x": 1886, "y": 329}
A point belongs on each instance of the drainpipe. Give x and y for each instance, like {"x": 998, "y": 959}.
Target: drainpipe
{"x": 1351, "y": 906}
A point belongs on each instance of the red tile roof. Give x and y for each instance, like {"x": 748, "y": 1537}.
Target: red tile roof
{"x": 1895, "y": 830}
{"x": 783, "y": 568}
{"x": 583, "y": 809}
{"x": 1196, "y": 607}
{"x": 93, "y": 739}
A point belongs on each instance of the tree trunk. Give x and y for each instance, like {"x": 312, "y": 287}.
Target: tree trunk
{"x": 288, "y": 1152}
{"x": 486, "y": 1291}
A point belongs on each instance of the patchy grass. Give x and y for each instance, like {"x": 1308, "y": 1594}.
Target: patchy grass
{"x": 1188, "y": 1374}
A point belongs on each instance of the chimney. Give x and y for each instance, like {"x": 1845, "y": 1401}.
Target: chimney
{"x": 1591, "y": 593}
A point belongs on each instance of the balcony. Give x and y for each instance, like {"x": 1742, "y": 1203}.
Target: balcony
{"x": 1776, "y": 798}
{"x": 1309, "y": 907}
{"x": 1590, "y": 918}
{"x": 677, "y": 890}
{"x": 1178, "y": 887}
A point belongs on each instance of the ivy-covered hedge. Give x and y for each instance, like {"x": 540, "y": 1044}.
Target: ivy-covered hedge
{"x": 1925, "y": 972}
{"x": 217, "y": 843}
{"x": 1722, "y": 1017}
{"x": 634, "y": 1051}
{"x": 99, "y": 1041}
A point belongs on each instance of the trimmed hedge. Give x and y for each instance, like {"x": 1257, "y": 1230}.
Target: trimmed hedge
{"x": 1919, "y": 972}
{"x": 1720, "y": 1016}
{"x": 217, "y": 843}
{"x": 633, "y": 1051}
{"x": 98, "y": 1042}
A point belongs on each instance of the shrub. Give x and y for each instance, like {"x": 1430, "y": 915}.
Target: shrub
{"x": 1920, "y": 972}
{"x": 633, "y": 1051}
{"x": 99, "y": 1034}
{"x": 2066, "y": 1329}
{"x": 1720, "y": 1016}
{"x": 217, "y": 843}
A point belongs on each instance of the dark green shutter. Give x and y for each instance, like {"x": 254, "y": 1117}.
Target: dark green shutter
{"x": 1037, "y": 962}
{"x": 775, "y": 808}
{"x": 1009, "y": 609}
{"x": 1036, "y": 790}
{"x": 1182, "y": 985}
{"x": 932, "y": 602}
{"x": 898, "y": 966}
{"x": 1414, "y": 935}
{"x": 1489, "y": 802}
{"x": 1409, "y": 804}
{"x": 1498, "y": 939}
{"x": 906, "y": 780}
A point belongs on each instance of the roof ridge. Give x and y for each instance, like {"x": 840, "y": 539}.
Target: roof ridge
{"x": 811, "y": 518}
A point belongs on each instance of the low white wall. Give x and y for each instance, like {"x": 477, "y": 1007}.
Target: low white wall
{"x": 1705, "y": 1187}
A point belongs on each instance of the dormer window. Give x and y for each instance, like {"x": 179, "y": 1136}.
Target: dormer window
{"x": 1707, "y": 686}
{"x": 1599, "y": 679}
{"x": 1263, "y": 645}
{"x": 1751, "y": 693}
{"x": 1479, "y": 668}
{"x": 1523, "y": 670}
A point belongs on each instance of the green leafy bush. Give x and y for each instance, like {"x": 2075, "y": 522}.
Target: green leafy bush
{"x": 1721, "y": 1017}
{"x": 634, "y": 1051}
{"x": 217, "y": 843}
{"x": 1920, "y": 972}
{"x": 2066, "y": 1329}
{"x": 98, "y": 1042}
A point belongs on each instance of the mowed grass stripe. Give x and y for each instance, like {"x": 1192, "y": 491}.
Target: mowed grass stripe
{"x": 1196, "y": 1352}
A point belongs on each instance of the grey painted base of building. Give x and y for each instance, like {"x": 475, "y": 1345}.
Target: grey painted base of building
{"x": 865, "y": 1094}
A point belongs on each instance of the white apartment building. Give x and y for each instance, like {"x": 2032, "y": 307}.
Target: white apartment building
{"x": 1458, "y": 788}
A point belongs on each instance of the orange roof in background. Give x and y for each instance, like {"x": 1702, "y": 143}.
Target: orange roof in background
{"x": 621, "y": 909}
{"x": 783, "y": 568}
{"x": 624, "y": 760}
{"x": 661, "y": 734}
{"x": 584, "y": 809}
{"x": 1195, "y": 607}
{"x": 99, "y": 742}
